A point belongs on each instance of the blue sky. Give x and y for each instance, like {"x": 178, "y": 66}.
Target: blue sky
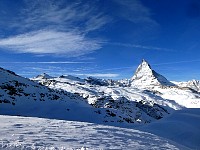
{"x": 101, "y": 38}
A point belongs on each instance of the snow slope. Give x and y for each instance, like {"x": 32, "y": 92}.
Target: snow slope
{"x": 19, "y": 94}
{"x": 74, "y": 99}
{"x": 182, "y": 127}
{"x": 134, "y": 105}
{"x": 163, "y": 94}
{"x": 185, "y": 97}
{"x": 21, "y": 133}
{"x": 22, "y": 97}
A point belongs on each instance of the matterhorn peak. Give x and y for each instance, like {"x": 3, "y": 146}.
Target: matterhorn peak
{"x": 143, "y": 60}
{"x": 143, "y": 69}
{"x": 145, "y": 64}
{"x": 145, "y": 76}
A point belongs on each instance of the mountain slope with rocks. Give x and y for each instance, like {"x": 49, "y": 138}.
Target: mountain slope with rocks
{"x": 105, "y": 101}
{"x": 146, "y": 86}
{"x": 23, "y": 97}
{"x": 72, "y": 98}
{"x": 193, "y": 84}
{"x": 131, "y": 105}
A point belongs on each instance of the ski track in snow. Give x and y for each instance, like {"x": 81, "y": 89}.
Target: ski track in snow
{"x": 37, "y": 133}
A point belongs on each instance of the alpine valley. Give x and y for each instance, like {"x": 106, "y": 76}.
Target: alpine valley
{"x": 144, "y": 112}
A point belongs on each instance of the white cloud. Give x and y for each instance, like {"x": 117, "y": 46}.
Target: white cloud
{"x": 51, "y": 42}
{"x": 177, "y": 62}
{"x": 61, "y": 27}
{"x": 100, "y": 75}
{"x": 61, "y": 15}
{"x": 50, "y": 62}
{"x": 135, "y": 11}
{"x": 96, "y": 22}
{"x": 54, "y": 27}
{"x": 140, "y": 46}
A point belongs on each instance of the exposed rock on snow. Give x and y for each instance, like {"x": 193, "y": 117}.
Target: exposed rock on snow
{"x": 67, "y": 94}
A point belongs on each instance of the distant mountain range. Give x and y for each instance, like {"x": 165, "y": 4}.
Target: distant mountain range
{"x": 146, "y": 97}
{"x": 193, "y": 84}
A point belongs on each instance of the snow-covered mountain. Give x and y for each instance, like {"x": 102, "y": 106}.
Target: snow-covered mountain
{"x": 156, "y": 98}
{"x": 21, "y": 96}
{"x": 193, "y": 84}
{"x": 72, "y": 98}
{"x": 110, "y": 101}
{"x": 127, "y": 104}
{"x": 145, "y": 77}
{"x": 144, "y": 99}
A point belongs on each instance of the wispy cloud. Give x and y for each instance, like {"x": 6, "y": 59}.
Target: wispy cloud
{"x": 62, "y": 27}
{"x": 120, "y": 68}
{"x": 177, "y": 62}
{"x": 51, "y": 42}
{"x": 31, "y": 71}
{"x": 61, "y": 15}
{"x": 49, "y": 62}
{"x": 139, "y": 46}
{"x": 135, "y": 11}
{"x": 54, "y": 27}
{"x": 100, "y": 75}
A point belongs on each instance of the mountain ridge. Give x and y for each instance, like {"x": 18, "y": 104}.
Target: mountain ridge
{"x": 193, "y": 84}
{"x": 79, "y": 100}
{"x": 112, "y": 102}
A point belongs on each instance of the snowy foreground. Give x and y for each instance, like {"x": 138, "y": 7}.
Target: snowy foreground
{"x": 37, "y": 133}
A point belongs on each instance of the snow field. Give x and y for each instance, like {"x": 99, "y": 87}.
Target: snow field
{"x": 36, "y": 133}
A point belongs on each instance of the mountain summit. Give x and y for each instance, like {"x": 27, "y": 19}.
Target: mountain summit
{"x": 145, "y": 76}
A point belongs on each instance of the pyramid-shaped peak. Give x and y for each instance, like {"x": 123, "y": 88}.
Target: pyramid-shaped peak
{"x": 145, "y": 63}
{"x": 145, "y": 76}
{"x": 143, "y": 69}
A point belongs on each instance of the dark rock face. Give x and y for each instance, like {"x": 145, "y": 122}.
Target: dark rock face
{"x": 130, "y": 111}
